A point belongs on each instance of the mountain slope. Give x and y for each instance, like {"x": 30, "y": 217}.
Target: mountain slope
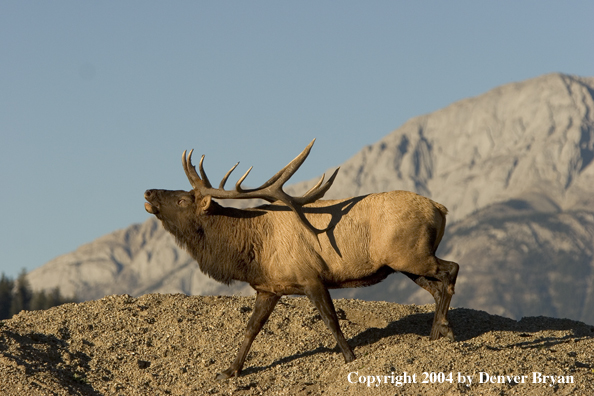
{"x": 513, "y": 166}
{"x": 533, "y": 136}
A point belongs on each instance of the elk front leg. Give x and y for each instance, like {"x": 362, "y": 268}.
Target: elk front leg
{"x": 318, "y": 294}
{"x": 265, "y": 303}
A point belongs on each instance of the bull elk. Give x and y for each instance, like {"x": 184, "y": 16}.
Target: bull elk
{"x": 304, "y": 245}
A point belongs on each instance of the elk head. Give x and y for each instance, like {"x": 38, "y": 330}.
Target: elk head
{"x": 167, "y": 204}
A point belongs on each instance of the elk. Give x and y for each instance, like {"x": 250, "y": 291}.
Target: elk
{"x": 305, "y": 245}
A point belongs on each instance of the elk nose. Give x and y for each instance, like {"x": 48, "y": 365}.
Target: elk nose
{"x": 148, "y": 194}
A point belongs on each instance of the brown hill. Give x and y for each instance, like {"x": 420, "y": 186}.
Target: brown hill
{"x": 173, "y": 344}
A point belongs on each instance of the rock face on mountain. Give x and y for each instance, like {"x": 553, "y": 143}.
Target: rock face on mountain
{"x": 535, "y": 136}
{"x": 520, "y": 261}
{"x": 513, "y": 166}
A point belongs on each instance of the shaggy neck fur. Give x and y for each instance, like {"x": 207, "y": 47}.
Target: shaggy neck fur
{"x": 224, "y": 243}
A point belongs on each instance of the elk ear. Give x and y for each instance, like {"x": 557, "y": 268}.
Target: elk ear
{"x": 206, "y": 204}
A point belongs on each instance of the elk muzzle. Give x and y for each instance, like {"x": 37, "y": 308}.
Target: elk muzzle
{"x": 150, "y": 206}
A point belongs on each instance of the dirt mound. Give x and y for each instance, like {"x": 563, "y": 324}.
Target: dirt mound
{"x": 174, "y": 344}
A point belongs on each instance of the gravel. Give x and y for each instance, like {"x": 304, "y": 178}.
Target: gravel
{"x": 161, "y": 344}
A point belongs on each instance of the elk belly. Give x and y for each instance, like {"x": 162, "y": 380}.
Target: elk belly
{"x": 362, "y": 281}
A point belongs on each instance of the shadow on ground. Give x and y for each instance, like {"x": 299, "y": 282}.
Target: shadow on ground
{"x": 466, "y": 323}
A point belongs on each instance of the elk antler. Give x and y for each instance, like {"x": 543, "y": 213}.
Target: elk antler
{"x": 271, "y": 191}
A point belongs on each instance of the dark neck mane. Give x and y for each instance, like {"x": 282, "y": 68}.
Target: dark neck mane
{"x": 226, "y": 243}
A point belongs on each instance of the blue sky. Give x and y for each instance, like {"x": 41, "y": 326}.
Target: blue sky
{"x": 98, "y": 99}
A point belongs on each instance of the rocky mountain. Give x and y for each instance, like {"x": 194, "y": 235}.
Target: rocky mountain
{"x": 513, "y": 166}
{"x": 535, "y": 136}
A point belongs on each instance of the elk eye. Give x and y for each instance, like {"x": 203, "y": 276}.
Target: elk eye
{"x": 182, "y": 202}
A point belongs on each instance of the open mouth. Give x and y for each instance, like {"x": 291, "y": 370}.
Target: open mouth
{"x": 151, "y": 208}
{"x": 148, "y": 206}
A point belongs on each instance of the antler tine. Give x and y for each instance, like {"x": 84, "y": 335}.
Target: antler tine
{"x": 317, "y": 192}
{"x": 190, "y": 170}
{"x": 284, "y": 174}
{"x": 294, "y": 165}
{"x": 222, "y": 184}
{"x": 184, "y": 163}
{"x": 241, "y": 179}
{"x": 202, "y": 173}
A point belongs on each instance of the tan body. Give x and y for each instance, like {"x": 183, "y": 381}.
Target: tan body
{"x": 399, "y": 230}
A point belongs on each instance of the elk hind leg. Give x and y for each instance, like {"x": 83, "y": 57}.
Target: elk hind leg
{"x": 265, "y": 303}
{"x": 441, "y": 288}
{"x": 319, "y": 296}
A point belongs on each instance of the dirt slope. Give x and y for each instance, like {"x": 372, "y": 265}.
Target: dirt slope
{"x": 173, "y": 344}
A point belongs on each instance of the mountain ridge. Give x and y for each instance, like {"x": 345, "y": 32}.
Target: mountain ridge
{"x": 468, "y": 136}
{"x": 497, "y": 160}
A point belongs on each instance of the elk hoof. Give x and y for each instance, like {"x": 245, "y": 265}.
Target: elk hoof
{"x": 230, "y": 372}
{"x": 449, "y": 335}
{"x": 442, "y": 330}
{"x": 349, "y": 357}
